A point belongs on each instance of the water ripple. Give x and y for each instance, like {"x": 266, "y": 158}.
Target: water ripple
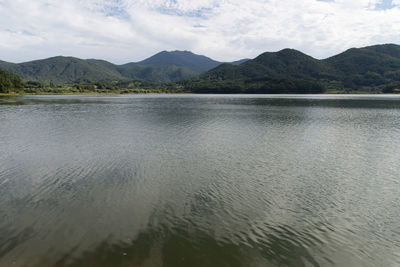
{"x": 185, "y": 180}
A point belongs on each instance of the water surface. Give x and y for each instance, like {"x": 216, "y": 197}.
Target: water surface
{"x": 189, "y": 180}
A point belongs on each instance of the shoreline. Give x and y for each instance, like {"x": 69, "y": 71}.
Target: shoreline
{"x": 183, "y": 93}
{"x": 90, "y": 93}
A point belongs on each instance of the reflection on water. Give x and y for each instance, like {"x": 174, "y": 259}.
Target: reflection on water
{"x": 185, "y": 180}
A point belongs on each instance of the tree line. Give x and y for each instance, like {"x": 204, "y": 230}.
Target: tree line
{"x": 9, "y": 82}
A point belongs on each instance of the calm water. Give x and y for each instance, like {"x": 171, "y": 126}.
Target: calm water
{"x": 183, "y": 180}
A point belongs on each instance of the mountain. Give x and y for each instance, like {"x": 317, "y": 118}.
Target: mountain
{"x": 181, "y": 59}
{"x": 366, "y": 69}
{"x": 372, "y": 69}
{"x": 238, "y": 62}
{"x": 62, "y": 69}
{"x": 170, "y": 66}
{"x": 285, "y": 63}
{"x": 156, "y": 73}
{"x": 367, "y": 66}
{"x": 6, "y": 65}
{"x": 162, "y": 67}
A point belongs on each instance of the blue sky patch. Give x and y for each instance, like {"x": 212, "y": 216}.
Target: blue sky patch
{"x": 199, "y": 13}
{"x": 115, "y": 9}
{"x": 385, "y": 4}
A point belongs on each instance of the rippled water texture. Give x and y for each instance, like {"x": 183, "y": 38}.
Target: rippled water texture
{"x": 185, "y": 180}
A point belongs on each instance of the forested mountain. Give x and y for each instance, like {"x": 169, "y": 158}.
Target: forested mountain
{"x": 290, "y": 71}
{"x": 285, "y": 63}
{"x": 63, "y": 69}
{"x": 369, "y": 69}
{"x": 368, "y": 66}
{"x": 162, "y": 67}
{"x": 181, "y": 59}
{"x": 156, "y": 73}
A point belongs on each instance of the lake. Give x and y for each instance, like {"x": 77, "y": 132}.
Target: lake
{"x": 200, "y": 180}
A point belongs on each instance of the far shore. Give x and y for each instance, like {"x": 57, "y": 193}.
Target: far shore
{"x": 183, "y": 93}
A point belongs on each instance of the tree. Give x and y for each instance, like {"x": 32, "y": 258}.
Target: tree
{"x": 9, "y": 81}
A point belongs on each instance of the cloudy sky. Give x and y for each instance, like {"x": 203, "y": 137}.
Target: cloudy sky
{"x": 123, "y": 31}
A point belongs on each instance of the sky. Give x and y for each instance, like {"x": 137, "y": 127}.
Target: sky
{"x": 122, "y": 31}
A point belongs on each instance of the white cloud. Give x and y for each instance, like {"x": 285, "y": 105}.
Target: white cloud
{"x": 127, "y": 30}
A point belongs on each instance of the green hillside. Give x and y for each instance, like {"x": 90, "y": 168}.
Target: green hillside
{"x": 364, "y": 69}
{"x": 63, "y": 70}
{"x": 163, "y": 67}
{"x": 285, "y": 63}
{"x": 156, "y": 73}
{"x": 367, "y": 67}
{"x": 185, "y": 59}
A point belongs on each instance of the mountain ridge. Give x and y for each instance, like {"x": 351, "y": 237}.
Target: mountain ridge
{"x": 162, "y": 67}
{"x": 357, "y": 69}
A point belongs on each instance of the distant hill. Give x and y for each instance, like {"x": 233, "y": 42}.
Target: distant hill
{"x": 238, "y": 62}
{"x": 156, "y": 73}
{"x": 285, "y": 63}
{"x": 181, "y": 59}
{"x": 290, "y": 71}
{"x": 162, "y": 67}
{"x": 62, "y": 69}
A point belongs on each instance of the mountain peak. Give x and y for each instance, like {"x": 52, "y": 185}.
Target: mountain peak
{"x": 181, "y": 59}
{"x": 285, "y": 56}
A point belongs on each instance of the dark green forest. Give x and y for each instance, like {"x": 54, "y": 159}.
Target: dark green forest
{"x": 126, "y": 86}
{"x": 9, "y": 82}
